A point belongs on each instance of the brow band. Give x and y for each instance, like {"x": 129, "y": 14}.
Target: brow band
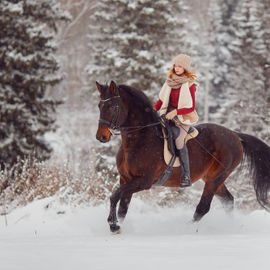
{"x": 104, "y": 100}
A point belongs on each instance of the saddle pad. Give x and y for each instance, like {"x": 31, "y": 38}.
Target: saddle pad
{"x": 167, "y": 153}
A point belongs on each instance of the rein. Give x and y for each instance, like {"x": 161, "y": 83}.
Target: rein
{"x": 128, "y": 130}
{"x": 204, "y": 148}
{"x": 117, "y": 130}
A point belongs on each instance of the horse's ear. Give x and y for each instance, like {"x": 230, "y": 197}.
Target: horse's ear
{"x": 99, "y": 87}
{"x": 113, "y": 88}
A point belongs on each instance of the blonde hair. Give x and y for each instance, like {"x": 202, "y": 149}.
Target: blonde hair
{"x": 188, "y": 73}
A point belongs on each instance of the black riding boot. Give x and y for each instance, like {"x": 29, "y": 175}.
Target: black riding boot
{"x": 185, "y": 174}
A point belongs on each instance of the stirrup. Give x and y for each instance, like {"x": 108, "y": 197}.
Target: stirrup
{"x": 185, "y": 182}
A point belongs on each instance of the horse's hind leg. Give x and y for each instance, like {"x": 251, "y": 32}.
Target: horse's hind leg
{"x": 205, "y": 202}
{"x": 211, "y": 186}
{"x": 225, "y": 197}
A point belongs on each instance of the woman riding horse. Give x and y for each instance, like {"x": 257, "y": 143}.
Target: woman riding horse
{"x": 177, "y": 100}
{"x": 214, "y": 153}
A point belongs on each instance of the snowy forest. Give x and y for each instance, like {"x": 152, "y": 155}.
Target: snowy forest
{"x": 52, "y": 52}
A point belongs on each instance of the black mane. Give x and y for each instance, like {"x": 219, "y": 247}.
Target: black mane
{"x": 141, "y": 101}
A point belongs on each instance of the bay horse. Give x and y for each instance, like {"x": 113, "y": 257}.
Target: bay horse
{"x": 213, "y": 154}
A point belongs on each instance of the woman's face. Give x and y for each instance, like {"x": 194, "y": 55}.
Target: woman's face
{"x": 178, "y": 70}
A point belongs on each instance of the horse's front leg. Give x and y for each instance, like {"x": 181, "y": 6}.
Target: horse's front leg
{"x": 112, "y": 219}
{"x": 123, "y": 207}
{"x": 125, "y": 191}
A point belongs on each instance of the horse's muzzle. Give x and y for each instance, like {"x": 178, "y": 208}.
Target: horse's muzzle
{"x": 102, "y": 138}
{"x": 103, "y": 134}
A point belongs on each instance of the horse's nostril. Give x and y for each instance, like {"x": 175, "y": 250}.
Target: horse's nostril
{"x": 103, "y": 138}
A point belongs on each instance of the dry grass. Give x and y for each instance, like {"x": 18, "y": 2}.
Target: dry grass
{"x": 44, "y": 179}
{"x": 84, "y": 185}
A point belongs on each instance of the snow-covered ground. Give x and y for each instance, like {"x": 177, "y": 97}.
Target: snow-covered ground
{"x": 48, "y": 235}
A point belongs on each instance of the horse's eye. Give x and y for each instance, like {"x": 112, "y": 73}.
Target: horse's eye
{"x": 111, "y": 105}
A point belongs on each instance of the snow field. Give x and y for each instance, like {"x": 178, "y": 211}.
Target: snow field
{"x": 48, "y": 235}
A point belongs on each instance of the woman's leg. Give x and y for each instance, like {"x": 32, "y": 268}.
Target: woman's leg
{"x": 182, "y": 152}
{"x": 180, "y": 140}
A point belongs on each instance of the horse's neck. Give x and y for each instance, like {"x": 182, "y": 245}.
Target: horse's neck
{"x": 137, "y": 117}
{"x": 138, "y": 122}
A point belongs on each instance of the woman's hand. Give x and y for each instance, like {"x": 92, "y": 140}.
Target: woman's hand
{"x": 171, "y": 114}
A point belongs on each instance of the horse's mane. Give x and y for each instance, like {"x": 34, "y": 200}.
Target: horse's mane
{"x": 139, "y": 99}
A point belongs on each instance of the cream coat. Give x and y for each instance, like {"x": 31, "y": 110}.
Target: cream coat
{"x": 184, "y": 101}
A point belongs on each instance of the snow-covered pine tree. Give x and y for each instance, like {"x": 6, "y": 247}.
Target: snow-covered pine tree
{"x": 266, "y": 37}
{"x": 27, "y": 68}
{"x": 239, "y": 81}
{"x": 133, "y": 42}
{"x": 250, "y": 110}
{"x": 219, "y": 55}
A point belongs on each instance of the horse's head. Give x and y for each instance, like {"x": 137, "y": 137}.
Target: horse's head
{"x": 112, "y": 111}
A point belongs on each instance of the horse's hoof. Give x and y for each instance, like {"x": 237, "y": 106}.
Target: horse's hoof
{"x": 115, "y": 229}
{"x": 196, "y": 217}
{"x": 117, "y": 232}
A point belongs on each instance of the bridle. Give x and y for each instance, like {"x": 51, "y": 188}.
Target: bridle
{"x": 114, "y": 128}
{"x": 113, "y": 123}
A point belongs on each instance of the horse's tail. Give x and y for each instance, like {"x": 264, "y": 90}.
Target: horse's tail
{"x": 257, "y": 154}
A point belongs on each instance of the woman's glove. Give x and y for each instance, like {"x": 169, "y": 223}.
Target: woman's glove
{"x": 171, "y": 114}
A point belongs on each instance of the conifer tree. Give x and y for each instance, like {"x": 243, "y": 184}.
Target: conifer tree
{"x": 219, "y": 54}
{"x": 249, "y": 50}
{"x": 134, "y": 41}
{"x": 239, "y": 83}
{"x": 266, "y": 37}
{"x": 27, "y": 68}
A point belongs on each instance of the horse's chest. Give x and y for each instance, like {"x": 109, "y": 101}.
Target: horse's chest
{"x": 133, "y": 159}
{"x": 134, "y": 156}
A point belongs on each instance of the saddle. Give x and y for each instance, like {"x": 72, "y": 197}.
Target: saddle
{"x": 170, "y": 133}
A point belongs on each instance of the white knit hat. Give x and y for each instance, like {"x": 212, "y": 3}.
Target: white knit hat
{"x": 182, "y": 60}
